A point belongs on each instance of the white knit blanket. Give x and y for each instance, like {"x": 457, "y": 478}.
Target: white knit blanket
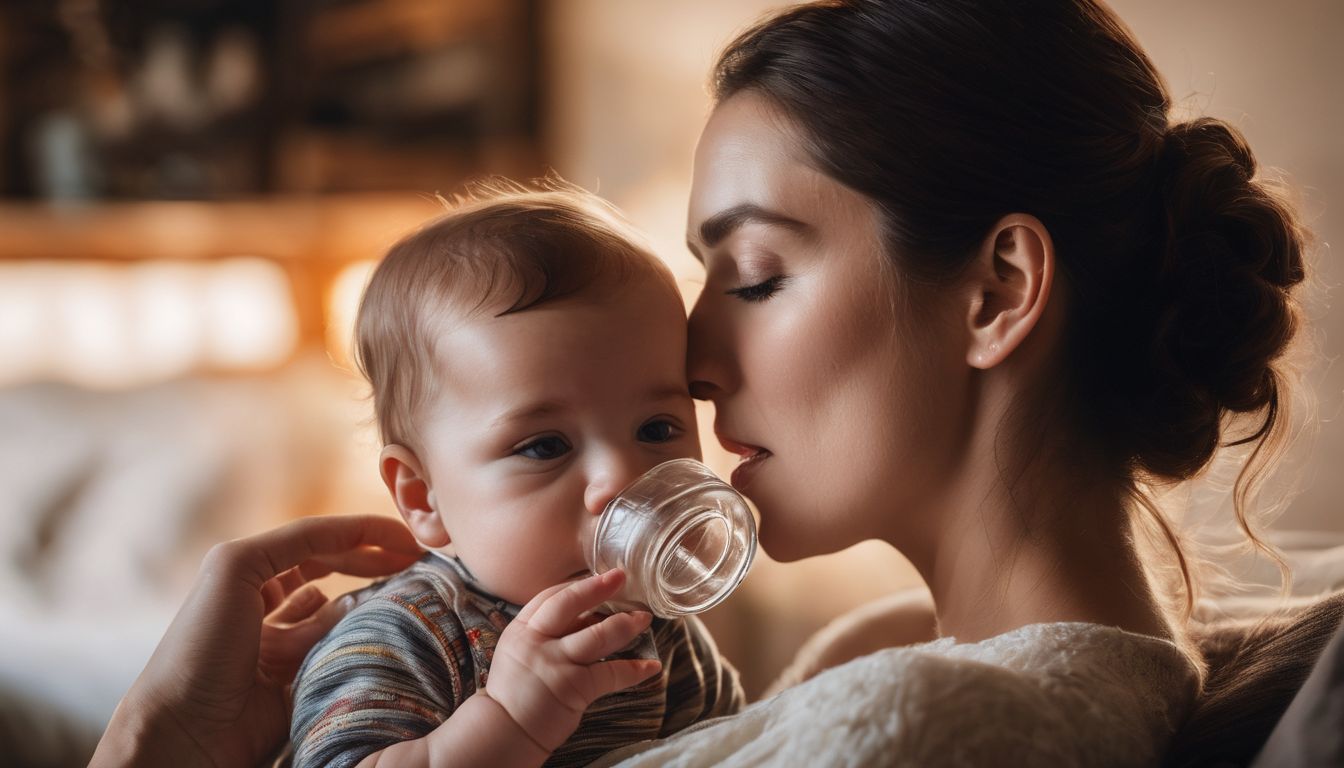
{"x": 1048, "y": 694}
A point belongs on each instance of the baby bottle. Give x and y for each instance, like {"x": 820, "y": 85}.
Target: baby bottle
{"x": 683, "y": 537}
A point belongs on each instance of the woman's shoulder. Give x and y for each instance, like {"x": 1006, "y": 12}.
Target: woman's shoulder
{"x": 1098, "y": 662}
{"x": 1092, "y": 661}
{"x": 1073, "y": 650}
{"x": 1066, "y": 692}
{"x": 1043, "y": 694}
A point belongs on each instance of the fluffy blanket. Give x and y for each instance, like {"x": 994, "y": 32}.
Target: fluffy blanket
{"x": 1046, "y": 694}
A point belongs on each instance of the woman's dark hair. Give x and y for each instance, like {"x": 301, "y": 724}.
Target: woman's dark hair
{"x": 1177, "y": 260}
{"x": 1256, "y": 668}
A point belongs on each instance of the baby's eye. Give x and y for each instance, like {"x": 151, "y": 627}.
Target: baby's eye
{"x": 658, "y": 431}
{"x": 544, "y": 448}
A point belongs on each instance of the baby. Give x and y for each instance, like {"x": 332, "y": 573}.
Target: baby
{"x": 527, "y": 360}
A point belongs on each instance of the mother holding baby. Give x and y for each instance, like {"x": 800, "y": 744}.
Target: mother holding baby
{"x": 968, "y": 291}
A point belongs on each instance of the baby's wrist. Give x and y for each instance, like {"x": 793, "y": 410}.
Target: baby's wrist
{"x": 487, "y": 700}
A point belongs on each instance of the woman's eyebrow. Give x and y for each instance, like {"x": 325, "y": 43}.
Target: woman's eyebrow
{"x": 720, "y": 225}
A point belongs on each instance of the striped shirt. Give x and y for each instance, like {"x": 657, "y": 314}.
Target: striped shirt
{"x": 419, "y": 643}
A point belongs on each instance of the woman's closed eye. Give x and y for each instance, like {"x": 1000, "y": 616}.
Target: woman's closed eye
{"x": 544, "y": 448}
{"x": 659, "y": 431}
{"x": 760, "y": 291}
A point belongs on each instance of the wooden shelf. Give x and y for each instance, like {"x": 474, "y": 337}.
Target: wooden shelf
{"x": 340, "y": 228}
{"x": 311, "y": 239}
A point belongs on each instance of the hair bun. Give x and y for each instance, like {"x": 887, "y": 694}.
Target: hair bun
{"x": 1233, "y": 249}
{"x": 1211, "y": 187}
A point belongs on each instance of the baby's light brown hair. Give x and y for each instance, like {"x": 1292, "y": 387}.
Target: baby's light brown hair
{"x": 502, "y": 248}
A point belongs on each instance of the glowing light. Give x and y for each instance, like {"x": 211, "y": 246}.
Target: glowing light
{"x": 92, "y": 333}
{"x": 122, "y": 325}
{"x": 250, "y": 320}
{"x": 167, "y": 319}
{"x": 342, "y": 305}
{"x": 25, "y": 322}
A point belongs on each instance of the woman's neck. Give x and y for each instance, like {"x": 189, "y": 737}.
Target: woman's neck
{"x": 1052, "y": 547}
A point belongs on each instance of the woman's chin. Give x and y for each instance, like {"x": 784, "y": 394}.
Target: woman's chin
{"x": 782, "y": 545}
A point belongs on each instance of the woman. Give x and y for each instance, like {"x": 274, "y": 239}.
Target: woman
{"x": 969, "y": 292}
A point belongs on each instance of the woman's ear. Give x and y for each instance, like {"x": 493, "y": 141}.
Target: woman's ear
{"x": 1010, "y": 286}
{"x": 406, "y": 480}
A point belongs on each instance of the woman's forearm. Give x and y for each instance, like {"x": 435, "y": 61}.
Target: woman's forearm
{"x": 136, "y": 736}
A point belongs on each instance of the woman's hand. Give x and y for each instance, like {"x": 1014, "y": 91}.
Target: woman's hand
{"x": 548, "y": 664}
{"x": 216, "y": 690}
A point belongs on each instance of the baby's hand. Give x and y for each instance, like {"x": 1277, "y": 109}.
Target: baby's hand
{"x": 547, "y": 668}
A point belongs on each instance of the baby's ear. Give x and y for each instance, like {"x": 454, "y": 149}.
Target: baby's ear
{"x": 409, "y": 485}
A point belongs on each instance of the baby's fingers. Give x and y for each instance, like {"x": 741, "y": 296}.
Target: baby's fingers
{"x": 556, "y": 613}
{"x": 604, "y": 637}
{"x": 611, "y": 676}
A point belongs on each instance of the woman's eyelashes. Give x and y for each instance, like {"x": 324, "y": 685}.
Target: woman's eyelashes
{"x": 545, "y": 448}
{"x": 760, "y": 291}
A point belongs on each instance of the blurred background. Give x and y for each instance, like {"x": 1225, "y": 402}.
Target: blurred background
{"x": 192, "y": 193}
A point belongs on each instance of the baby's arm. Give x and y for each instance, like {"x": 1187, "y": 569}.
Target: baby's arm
{"x": 480, "y": 732}
{"x": 547, "y": 668}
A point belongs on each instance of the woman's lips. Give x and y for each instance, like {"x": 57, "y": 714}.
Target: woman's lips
{"x": 752, "y": 458}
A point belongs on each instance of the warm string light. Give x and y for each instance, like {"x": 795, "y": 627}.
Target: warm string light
{"x": 342, "y": 303}
{"x": 101, "y": 325}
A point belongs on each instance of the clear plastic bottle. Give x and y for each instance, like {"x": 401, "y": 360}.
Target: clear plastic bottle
{"x": 684, "y": 538}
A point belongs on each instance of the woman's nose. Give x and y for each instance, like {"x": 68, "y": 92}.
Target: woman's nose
{"x": 707, "y": 358}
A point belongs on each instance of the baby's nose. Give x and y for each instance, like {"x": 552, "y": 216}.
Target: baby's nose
{"x": 599, "y": 494}
{"x": 609, "y": 481}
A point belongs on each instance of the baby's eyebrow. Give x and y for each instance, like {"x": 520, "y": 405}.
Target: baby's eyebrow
{"x": 670, "y": 393}
{"x": 534, "y": 410}
{"x": 528, "y": 411}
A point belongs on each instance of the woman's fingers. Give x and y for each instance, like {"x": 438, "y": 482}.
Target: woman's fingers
{"x": 272, "y": 595}
{"x": 278, "y": 589}
{"x": 291, "y": 580}
{"x": 299, "y": 605}
{"x": 557, "y": 609}
{"x": 361, "y": 561}
{"x": 291, "y": 631}
{"x": 604, "y": 638}
{"x": 335, "y": 543}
